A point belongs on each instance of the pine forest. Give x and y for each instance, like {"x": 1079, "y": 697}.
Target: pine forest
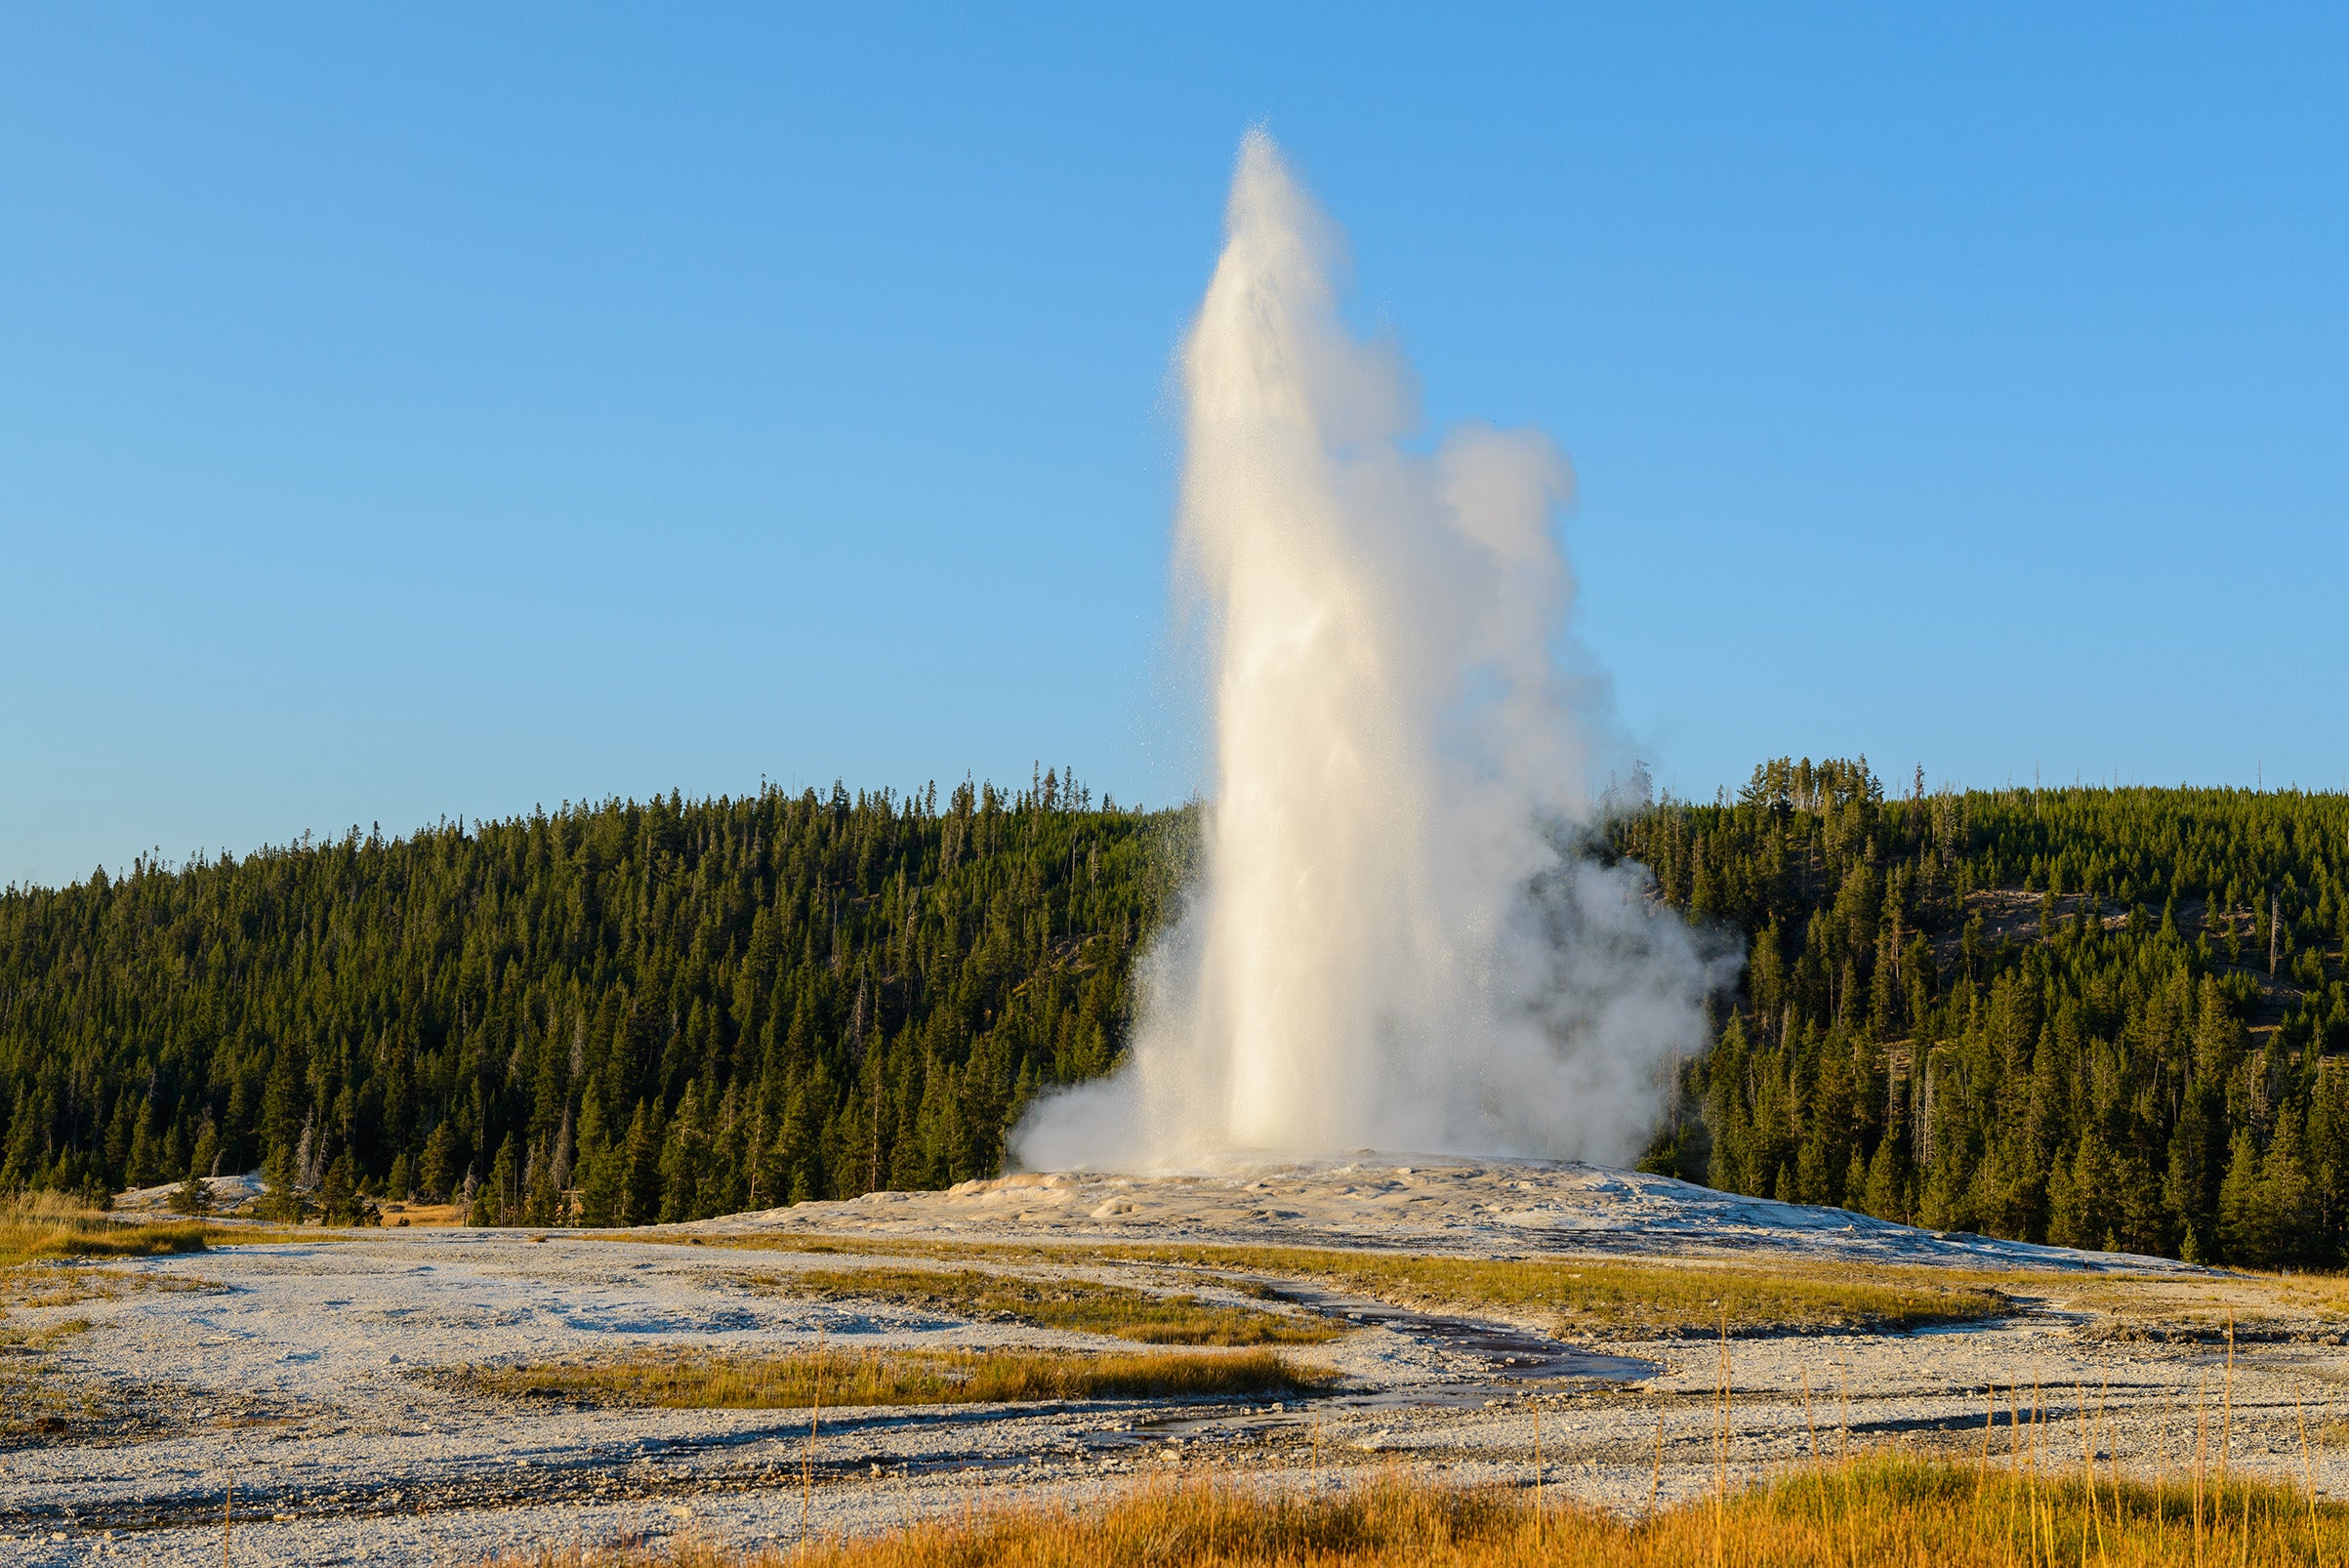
{"x": 2094, "y": 1017}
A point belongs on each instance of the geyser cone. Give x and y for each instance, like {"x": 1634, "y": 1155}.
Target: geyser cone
{"x": 1392, "y": 943}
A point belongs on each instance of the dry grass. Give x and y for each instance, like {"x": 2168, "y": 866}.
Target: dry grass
{"x": 1872, "y": 1512}
{"x": 34, "y": 1286}
{"x": 33, "y": 1403}
{"x": 38, "y": 1232}
{"x": 704, "y": 1381}
{"x": 17, "y": 1342}
{"x": 1591, "y": 1298}
{"x": 39, "y": 1226}
{"x": 2325, "y": 1294}
{"x": 1081, "y": 1306}
{"x": 1579, "y": 1297}
{"x": 2258, "y": 1305}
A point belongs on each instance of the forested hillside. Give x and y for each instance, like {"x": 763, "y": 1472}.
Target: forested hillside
{"x": 671, "y": 1009}
{"x": 2087, "y": 1016}
{"x": 2092, "y": 1016}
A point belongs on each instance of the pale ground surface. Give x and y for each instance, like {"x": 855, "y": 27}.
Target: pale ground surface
{"x": 306, "y": 1371}
{"x": 1420, "y": 1203}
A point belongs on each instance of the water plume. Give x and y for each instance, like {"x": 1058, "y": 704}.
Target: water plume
{"x": 1396, "y": 939}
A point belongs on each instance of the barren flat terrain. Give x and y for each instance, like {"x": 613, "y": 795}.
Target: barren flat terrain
{"x": 432, "y": 1394}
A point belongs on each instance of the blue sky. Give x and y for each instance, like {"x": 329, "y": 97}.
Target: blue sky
{"x": 408, "y": 411}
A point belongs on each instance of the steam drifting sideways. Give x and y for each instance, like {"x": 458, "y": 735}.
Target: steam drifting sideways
{"x": 1396, "y": 941}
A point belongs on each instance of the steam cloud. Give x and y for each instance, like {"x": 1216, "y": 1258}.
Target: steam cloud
{"x": 1394, "y": 942}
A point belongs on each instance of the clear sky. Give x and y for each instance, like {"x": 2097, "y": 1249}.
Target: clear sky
{"x": 432, "y": 409}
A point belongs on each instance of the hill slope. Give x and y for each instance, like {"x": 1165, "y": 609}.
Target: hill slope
{"x": 675, "y": 1010}
{"x": 2041, "y": 1014}
{"x": 2098, "y": 1018}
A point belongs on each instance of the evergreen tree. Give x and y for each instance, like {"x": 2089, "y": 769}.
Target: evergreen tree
{"x": 640, "y": 1170}
{"x": 2246, "y": 1229}
{"x": 190, "y": 1197}
{"x": 439, "y": 1170}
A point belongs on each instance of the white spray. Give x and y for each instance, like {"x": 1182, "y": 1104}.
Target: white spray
{"x": 1392, "y": 943}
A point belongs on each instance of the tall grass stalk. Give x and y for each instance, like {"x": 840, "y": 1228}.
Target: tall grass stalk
{"x": 1810, "y": 1419}
{"x": 1990, "y": 1420}
{"x": 2014, "y": 1450}
{"x": 1843, "y": 1410}
{"x": 1843, "y": 1415}
{"x": 815, "y": 1414}
{"x": 1721, "y": 1447}
{"x": 1656, "y": 1477}
{"x": 2088, "y": 1461}
{"x": 2039, "y": 1460}
{"x": 2162, "y": 1472}
{"x": 2226, "y": 1429}
{"x": 2111, "y": 1453}
{"x": 1720, "y": 1451}
{"x": 2308, "y": 1468}
{"x": 1537, "y": 1465}
{"x": 2202, "y": 1449}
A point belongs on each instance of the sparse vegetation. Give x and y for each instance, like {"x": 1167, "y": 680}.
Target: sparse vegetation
{"x": 1878, "y": 1511}
{"x": 2324, "y": 1295}
{"x": 1580, "y": 1298}
{"x": 34, "y": 1287}
{"x": 716, "y": 1381}
{"x": 32, "y": 1403}
{"x": 1583, "y": 1297}
{"x": 1081, "y": 1306}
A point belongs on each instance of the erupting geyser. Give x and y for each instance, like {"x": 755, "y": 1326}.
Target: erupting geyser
{"x": 1394, "y": 941}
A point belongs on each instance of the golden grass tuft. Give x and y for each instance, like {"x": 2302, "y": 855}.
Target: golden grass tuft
{"x": 1081, "y": 1306}
{"x": 1589, "y": 1296}
{"x": 715, "y": 1380}
{"x": 1579, "y": 1297}
{"x": 1904, "y": 1512}
{"x": 39, "y": 1226}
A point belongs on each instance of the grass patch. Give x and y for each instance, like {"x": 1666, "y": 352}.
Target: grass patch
{"x": 2259, "y": 1306}
{"x": 2325, "y": 1294}
{"x": 1582, "y": 1297}
{"x": 33, "y": 1287}
{"x": 15, "y": 1342}
{"x": 1081, "y": 1306}
{"x": 704, "y": 1381}
{"x": 46, "y": 1244}
{"x": 1870, "y": 1511}
{"x": 41, "y": 1227}
{"x": 1593, "y": 1298}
